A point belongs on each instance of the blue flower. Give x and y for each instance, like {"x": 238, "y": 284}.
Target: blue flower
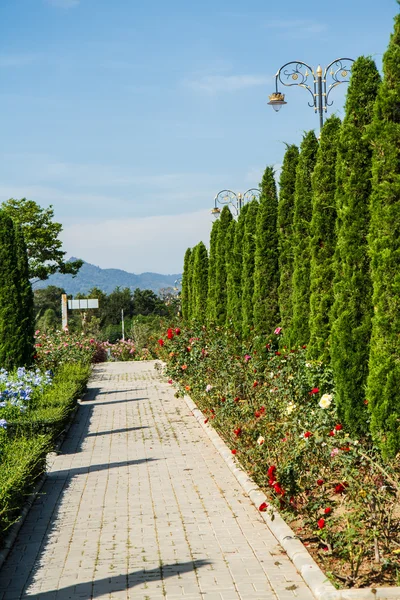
{"x": 3, "y": 424}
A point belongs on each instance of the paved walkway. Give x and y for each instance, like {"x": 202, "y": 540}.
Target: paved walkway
{"x": 140, "y": 505}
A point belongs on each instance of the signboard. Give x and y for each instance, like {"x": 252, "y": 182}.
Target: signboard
{"x": 83, "y": 304}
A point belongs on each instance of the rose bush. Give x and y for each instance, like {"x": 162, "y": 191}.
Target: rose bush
{"x": 277, "y": 412}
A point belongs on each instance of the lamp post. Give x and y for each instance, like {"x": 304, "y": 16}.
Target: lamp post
{"x": 235, "y": 201}
{"x": 316, "y": 82}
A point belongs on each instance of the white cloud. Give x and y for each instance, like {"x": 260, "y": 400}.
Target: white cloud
{"x": 156, "y": 244}
{"x": 214, "y": 84}
{"x": 63, "y": 3}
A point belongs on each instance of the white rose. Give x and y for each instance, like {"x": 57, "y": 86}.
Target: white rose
{"x": 325, "y": 401}
{"x": 260, "y": 440}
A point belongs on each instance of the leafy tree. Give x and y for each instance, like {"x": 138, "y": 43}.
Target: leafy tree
{"x": 48, "y": 321}
{"x": 300, "y": 332}
{"x": 48, "y": 298}
{"x": 383, "y": 389}
{"x": 249, "y": 248}
{"x": 185, "y": 285}
{"x": 323, "y": 240}
{"x": 200, "y": 281}
{"x": 25, "y": 340}
{"x": 266, "y": 271}
{"x": 220, "y": 276}
{"x": 234, "y": 271}
{"x": 9, "y": 294}
{"x": 121, "y": 299}
{"x": 212, "y": 274}
{"x": 352, "y": 308}
{"x": 285, "y": 235}
{"x": 41, "y": 234}
{"x": 146, "y": 302}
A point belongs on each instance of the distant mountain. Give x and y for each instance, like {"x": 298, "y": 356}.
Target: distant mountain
{"x": 107, "y": 280}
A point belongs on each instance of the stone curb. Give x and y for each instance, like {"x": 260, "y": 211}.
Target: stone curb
{"x": 301, "y": 558}
{"x": 14, "y": 529}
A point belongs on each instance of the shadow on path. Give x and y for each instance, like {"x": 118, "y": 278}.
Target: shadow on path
{"x": 111, "y": 431}
{"x": 69, "y": 473}
{"x": 119, "y": 583}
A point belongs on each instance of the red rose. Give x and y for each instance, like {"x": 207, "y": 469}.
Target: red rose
{"x": 234, "y": 451}
{"x": 255, "y": 384}
{"x": 339, "y": 488}
{"x": 278, "y": 489}
{"x": 237, "y": 399}
{"x": 277, "y": 353}
{"x": 307, "y": 434}
{"x": 257, "y": 414}
{"x": 169, "y": 380}
{"x": 338, "y": 427}
{"x": 170, "y": 334}
{"x": 161, "y": 342}
{"x": 223, "y": 399}
{"x": 263, "y": 507}
{"x": 321, "y": 523}
{"x": 314, "y": 391}
{"x": 271, "y": 471}
{"x": 331, "y": 433}
{"x": 237, "y": 431}
{"x": 177, "y": 331}
{"x": 304, "y": 347}
{"x": 328, "y": 510}
{"x": 320, "y": 482}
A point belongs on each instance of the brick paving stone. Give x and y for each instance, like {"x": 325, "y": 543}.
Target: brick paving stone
{"x": 139, "y": 504}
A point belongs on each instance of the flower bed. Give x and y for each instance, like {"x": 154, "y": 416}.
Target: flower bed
{"x": 277, "y": 413}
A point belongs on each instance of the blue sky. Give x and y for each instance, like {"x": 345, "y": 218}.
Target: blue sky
{"x": 128, "y": 117}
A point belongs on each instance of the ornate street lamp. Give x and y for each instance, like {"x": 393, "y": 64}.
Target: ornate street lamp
{"x": 299, "y": 73}
{"x": 234, "y": 201}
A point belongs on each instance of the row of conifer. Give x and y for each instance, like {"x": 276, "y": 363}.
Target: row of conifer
{"x": 322, "y": 259}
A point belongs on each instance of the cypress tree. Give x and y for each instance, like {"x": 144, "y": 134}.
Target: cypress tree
{"x": 24, "y": 349}
{"x": 9, "y": 295}
{"x": 185, "y": 286}
{"x": 383, "y": 388}
{"x": 266, "y": 272}
{"x": 234, "y": 279}
{"x": 300, "y": 333}
{"x": 230, "y": 272}
{"x": 323, "y": 240}
{"x": 249, "y": 247}
{"x": 190, "y": 285}
{"x": 200, "y": 281}
{"x": 285, "y": 235}
{"x": 220, "y": 276}
{"x": 212, "y": 272}
{"x": 352, "y": 308}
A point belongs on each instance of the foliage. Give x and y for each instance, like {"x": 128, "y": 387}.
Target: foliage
{"x": 212, "y": 275}
{"x": 323, "y": 240}
{"x": 63, "y": 347}
{"x": 234, "y": 272}
{"x": 185, "y": 293}
{"x": 10, "y": 296}
{"x": 49, "y": 298}
{"x": 23, "y": 351}
{"x": 383, "y": 389}
{"x": 247, "y": 281}
{"x": 299, "y": 332}
{"x": 266, "y": 271}
{"x": 41, "y": 235}
{"x": 285, "y": 234}
{"x": 352, "y": 309}
{"x": 199, "y": 280}
{"x": 222, "y": 250}
{"x": 277, "y": 412}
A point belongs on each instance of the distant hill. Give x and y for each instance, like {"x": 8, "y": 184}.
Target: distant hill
{"x": 107, "y": 280}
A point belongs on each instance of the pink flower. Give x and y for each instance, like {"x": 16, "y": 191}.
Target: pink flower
{"x": 169, "y": 380}
{"x": 278, "y": 330}
{"x": 335, "y": 452}
{"x": 247, "y": 357}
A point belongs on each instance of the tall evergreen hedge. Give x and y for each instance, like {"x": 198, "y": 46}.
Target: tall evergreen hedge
{"x": 200, "y": 281}
{"x": 234, "y": 275}
{"x": 185, "y": 285}
{"x": 266, "y": 271}
{"x": 352, "y": 308}
{"x": 230, "y": 272}
{"x": 249, "y": 247}
{"x": 190, "y": 285}
{"x": 10, "y": 297}
{"x": 323, "y": 240}
{"x": 220, "y": 276}
{"x": 383, "y": 389}
{"x": 212, "y": 272}
{"x": 287, "y": 182}
{"x": 24, "y": 349}
{"x": 300, "y": 332}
